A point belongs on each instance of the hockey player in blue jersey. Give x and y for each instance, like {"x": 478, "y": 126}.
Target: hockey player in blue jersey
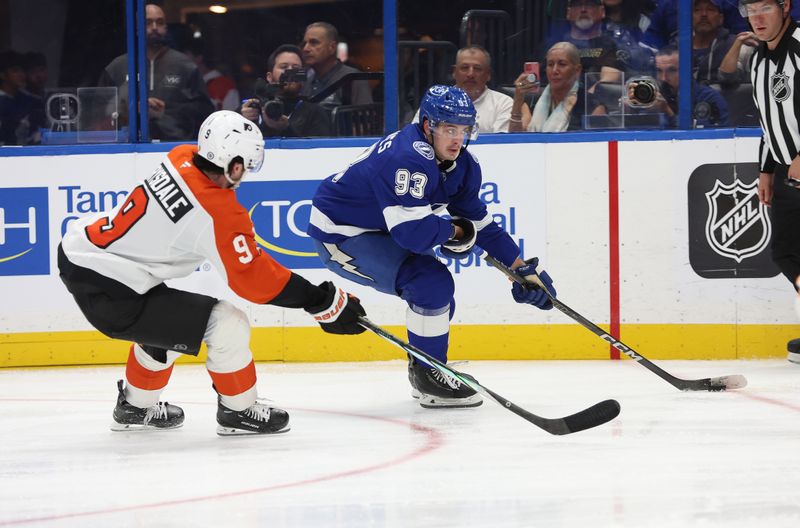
{"x": 377, "y": 223}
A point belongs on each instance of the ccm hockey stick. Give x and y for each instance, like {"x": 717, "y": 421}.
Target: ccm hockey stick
{"x": 597, "y": 414}
{"x": 736, "y": 381}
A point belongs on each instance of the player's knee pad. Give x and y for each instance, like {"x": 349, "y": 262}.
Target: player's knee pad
{"x": 228, "y": 338}
{"x": 425, "y": 282}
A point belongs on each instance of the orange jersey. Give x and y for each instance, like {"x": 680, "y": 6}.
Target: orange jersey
{"x": 168, "y": 225}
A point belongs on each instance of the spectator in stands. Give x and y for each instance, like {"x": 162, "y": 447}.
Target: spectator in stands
{"x": 562, "y": 104}
{"x": 709, "y": 108}
{"x": 471, "y": 72}
{"x": 711, "y": 41}
{"x": 19, "y": 120}
{"x": 319, "y": 54}
{"x": 35, "y": 80}
{"x": 293, "y": 116}
{"x": 177, "y": 99}
{"x": 663, "y": 28}
{"x": 597, "y": 50}
{"x": 35, "y": 74}
{"x": 735, "y": 66}
{"x": 221, "y": 88}
{"x": 625, "y": 22}
{"x": 631, "y": 16}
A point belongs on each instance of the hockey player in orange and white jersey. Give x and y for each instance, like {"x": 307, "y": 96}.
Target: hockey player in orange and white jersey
{"x": 115, "y": 266}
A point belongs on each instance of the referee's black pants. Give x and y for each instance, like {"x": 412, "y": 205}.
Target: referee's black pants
{"x": 785, "y": 214}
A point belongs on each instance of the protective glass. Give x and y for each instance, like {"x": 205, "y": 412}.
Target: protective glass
{"x": 748, "y": 10}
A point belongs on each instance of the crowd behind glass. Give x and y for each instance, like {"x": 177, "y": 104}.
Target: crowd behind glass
{"x": 312, "y": 70}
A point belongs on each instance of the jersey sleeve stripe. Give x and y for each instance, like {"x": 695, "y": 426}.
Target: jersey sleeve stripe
{"x": 395, "y": 215}
{"x": 483, "y": 222}
{"x": 319, "y": 220}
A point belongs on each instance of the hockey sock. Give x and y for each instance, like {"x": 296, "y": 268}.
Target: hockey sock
{"x": 146, "y": 377}
{"x": 237, "y": 390}
{"x": 230, "y": 362}
{"x": 429, "y": 329}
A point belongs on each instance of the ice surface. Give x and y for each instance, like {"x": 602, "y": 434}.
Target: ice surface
{"x": 362, "y": 453}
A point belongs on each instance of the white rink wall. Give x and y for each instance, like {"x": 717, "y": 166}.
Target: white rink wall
{"x": 555, "y": 198}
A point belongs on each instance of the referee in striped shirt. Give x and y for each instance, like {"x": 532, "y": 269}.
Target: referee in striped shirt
{"x": 774, "y": 73}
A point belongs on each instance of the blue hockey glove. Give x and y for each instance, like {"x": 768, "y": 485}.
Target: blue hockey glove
{"x": 533, "y": 294}
{"x": 458, "y": 248}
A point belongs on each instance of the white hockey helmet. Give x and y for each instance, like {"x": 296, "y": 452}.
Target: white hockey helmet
{"x": 224, "y": 135}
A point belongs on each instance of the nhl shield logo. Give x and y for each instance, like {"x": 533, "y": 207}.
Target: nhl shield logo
{"x": 737, "y": 226}
{"x": 780, "y": 87}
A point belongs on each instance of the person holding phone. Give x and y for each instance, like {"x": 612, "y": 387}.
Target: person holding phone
{"x": 562, "y": 103}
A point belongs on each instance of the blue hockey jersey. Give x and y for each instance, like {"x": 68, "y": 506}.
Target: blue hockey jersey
{"x": 396, "y": 187}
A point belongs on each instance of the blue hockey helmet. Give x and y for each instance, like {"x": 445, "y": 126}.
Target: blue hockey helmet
{"x": 448, "y": 104}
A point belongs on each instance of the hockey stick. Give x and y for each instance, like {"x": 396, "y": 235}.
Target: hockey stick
{"x": 597, "y": 414}
{"x": 736, "y": 381}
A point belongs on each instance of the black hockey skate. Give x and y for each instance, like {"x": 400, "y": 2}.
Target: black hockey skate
{"x": 129, "y": 418}
{"x": 437, "y": 390}
{"x": 256, "y": 419}
{"x": 793, "y": 348}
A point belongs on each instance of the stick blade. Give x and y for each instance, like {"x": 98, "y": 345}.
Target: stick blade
{"x": 597, "y": 414}
{"x": 722, "y": 383}
{"x": 733, "y": 382}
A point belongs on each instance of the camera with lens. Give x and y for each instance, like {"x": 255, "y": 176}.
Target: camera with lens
{"x": 273, "y": 109}
{"x": 641, "y": 92}
{"x": 269, "y": 94}
{"x": 294, "y": 75}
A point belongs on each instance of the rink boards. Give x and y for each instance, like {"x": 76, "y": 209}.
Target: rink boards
{"x": 664, "y": 239}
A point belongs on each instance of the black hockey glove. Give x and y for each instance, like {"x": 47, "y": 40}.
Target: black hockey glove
{"x": 534, "y": 294}
{"x": 339, "y": 313}
{"x": 461, "y": 247}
